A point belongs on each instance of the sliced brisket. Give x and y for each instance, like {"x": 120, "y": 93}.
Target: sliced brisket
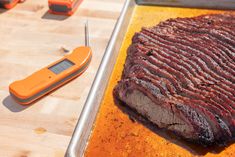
{"x": 180, "y": 75}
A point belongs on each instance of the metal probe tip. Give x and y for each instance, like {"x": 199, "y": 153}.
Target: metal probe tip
{"x": 87, "y": 42}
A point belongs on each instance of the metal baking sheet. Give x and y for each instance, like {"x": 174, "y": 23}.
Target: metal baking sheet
{"x": 84, "y": 126}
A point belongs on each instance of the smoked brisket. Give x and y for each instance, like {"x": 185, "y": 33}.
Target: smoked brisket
{"x": 180, "y": 75}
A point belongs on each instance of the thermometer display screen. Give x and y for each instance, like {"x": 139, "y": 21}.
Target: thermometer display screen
{"x": 61, "y": 66}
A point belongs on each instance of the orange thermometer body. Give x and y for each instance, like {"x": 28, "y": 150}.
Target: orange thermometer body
{"x": 51, "y": 77}
{"x": 63, "y": 7}
{"x": 8, "y": 4}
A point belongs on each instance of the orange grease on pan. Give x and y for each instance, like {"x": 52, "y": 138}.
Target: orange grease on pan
{"x": 114, "y": 134}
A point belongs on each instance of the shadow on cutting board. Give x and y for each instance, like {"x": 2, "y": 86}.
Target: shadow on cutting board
{"x": 9, "y": 103}
{"x": 3, "y": 10}
{"x": 195, "y": 149}
{"x": 49, "y": 16}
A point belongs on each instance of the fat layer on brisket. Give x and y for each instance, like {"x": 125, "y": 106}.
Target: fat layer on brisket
{"x": 180, "y": 75}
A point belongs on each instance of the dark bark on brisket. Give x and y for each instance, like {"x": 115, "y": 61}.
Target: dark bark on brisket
{"x": 197, "y": 64}
{"x": 185, "y": 66}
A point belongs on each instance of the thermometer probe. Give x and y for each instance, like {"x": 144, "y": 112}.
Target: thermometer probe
{"x": 53, "y": 76}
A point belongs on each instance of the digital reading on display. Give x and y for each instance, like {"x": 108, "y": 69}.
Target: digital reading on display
{"x": 61, "y": 66}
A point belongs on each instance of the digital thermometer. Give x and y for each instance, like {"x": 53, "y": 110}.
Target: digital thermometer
{"x": 52, "y": 76}
{"x": 8, "y": 4}
{"x": 63, "y": 7}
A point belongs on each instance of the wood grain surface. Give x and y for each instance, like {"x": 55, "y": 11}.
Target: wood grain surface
{"x": 31, "y": 38}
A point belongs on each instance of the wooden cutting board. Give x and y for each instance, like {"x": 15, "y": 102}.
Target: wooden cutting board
{"x": 30, "y": 39}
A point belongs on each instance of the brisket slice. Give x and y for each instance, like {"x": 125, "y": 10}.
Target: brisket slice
{"x": 180, "y": 75}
